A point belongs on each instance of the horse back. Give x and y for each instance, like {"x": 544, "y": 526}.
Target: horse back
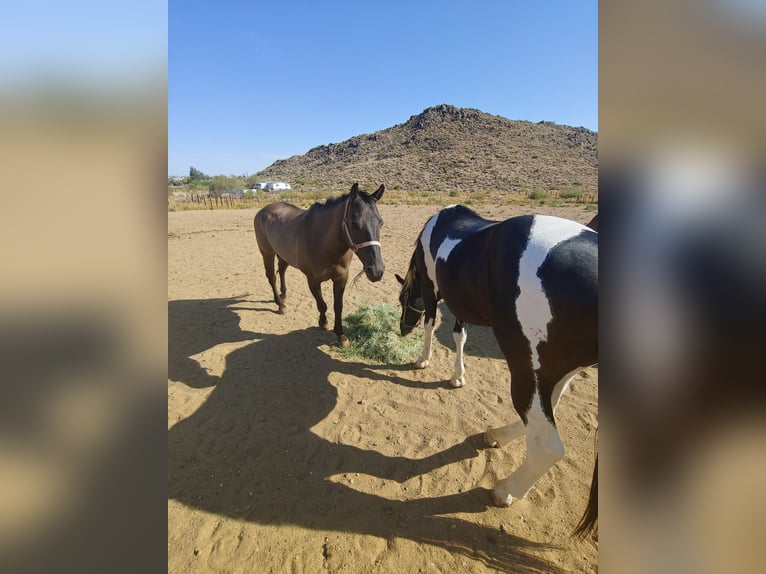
{"x": 275, "y": 227}
{"x": 546, "y": 276}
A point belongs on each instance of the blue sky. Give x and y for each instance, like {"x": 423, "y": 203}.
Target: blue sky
{"x": 253, "y": 82}
{"x": 81, "y": 44}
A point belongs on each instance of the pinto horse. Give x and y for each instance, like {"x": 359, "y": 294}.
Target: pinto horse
{"x": 534, "y": 280}
{"x": 321, "y": 242}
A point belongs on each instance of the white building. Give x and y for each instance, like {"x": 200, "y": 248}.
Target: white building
{"x": 276, "y": 186}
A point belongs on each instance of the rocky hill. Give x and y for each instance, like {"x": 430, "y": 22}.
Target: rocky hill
{"x": 445, "y": 148}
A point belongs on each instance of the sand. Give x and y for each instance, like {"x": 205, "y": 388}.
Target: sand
{"x": 284, "y": 458}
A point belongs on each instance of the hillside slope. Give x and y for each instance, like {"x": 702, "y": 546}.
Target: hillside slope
{"x": 445, "y": 148}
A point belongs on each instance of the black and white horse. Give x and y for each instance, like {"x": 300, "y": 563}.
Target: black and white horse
{"x": 534, "y": 280}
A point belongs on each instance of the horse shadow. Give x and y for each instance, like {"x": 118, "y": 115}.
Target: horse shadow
{"x": 195, "y": 326}
{"x": 248, "y": 452}
{"x": 481, "y": 341}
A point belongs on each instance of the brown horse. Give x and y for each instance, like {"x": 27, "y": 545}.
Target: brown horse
{"x": 321, "y": 241}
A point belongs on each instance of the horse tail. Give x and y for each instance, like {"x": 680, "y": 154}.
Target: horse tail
{"x": 590, "y": 516}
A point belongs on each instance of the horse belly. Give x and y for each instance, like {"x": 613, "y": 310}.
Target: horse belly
{"x": 286, "y": 248}
{"x": 461, "y": 289}
{"x": 275, "y": 235}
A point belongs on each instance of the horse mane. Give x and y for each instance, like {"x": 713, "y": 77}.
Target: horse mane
{"x": 329, "y": 202}
{"x": 409, "y": 278}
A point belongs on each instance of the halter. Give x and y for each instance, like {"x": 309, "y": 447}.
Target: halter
{"x": 420, "y": 316}
{"x": 354, "y": 246}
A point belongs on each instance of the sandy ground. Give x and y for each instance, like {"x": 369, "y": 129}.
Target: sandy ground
{"x": 284, "y": 458}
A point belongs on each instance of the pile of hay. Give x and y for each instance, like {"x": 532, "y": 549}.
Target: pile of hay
{"x": 373, "y": 332}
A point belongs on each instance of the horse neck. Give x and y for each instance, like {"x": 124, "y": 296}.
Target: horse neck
{"x": 329, "y": 223}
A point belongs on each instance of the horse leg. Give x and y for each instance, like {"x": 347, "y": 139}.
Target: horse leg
{"x": 316, "y": 290}
{"x": 544, "y": 449}
{"x": 544, "y": 446}
{"x": 282, "y": 267}
{"x": 338, "y": 288}
{"x": 499, "y": 437}
{"x": 268, "y": 263}
{"x": 428, "y": 325}
{"x": 459, "y": 335}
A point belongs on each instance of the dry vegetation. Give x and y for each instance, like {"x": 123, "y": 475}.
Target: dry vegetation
{"x": 446, "y": 150}
{"x": 443, "y": 155}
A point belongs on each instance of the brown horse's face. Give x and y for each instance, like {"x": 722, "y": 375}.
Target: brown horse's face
{"x": 364, "y": 223}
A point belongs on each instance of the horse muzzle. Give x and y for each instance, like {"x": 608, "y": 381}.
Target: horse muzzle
{"x": 374, "y": 272}
{"x": 405, "y": 328}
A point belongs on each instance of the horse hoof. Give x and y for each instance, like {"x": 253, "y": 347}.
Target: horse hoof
{"x": 281, "y": 310}
{"x": 490, "y": 440}
{"x": 421, "y": 363}
{"x": 502, "y": 500}
{"x": 457, "y": 382}
{"x": 343, "y": 341}
{"x": 324, "y": 325}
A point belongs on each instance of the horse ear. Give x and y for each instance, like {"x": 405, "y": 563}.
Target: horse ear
{"x": 379, "y": 193}
{"x": 399, "y": 279}
{"x": 354, "y": 190}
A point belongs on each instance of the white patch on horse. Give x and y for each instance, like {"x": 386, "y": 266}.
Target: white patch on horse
{"x": 544, "y": 449}
{"x": 458, "y": 380}
{"x": 425, "y": 241}
{"x": 532, "y": 306}
{"x": 446, "y": 248}
{"x": 425, "y": 358}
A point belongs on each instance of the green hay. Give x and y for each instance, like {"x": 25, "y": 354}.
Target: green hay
{"x": 373, "y": 332}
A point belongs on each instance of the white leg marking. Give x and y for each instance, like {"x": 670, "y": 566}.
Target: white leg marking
{"x": 502, "y": 436}
{"x": 425, "y": 358}
{"x": 544, "y": 449}
{"x": 532, "y": 306}
{"x": 458, "y": 380}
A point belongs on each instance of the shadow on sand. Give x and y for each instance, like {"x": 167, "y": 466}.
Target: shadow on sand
{"x": 247, "y": 452}
{"x": 481, "y": 341}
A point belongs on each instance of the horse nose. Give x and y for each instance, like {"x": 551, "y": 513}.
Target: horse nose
{"x": 375, "y": 272}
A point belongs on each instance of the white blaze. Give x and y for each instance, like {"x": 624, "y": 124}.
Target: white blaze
{"x": 532, "y": 306}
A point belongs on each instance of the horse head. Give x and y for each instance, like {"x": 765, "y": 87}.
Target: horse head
{"x": 411, "y": 300}
{"x": 362, "y": 223}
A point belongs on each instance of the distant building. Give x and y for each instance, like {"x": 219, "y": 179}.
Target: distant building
{"x": 275, "y": 186}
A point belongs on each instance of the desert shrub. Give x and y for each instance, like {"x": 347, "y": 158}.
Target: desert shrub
{"x": 575, "y": 194}
{"x": 539, "y": 194}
